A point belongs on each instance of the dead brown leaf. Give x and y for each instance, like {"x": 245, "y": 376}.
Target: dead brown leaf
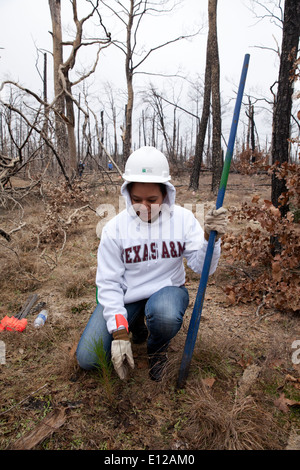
{"x": 283, "y": 403}
{"x": 209, "y": 381}
{"x": 295, "y": 381}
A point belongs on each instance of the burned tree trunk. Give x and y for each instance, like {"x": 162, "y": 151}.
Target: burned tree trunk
{"x": 283, "y": 104}
{"x": 211, "y": 90}
{"x": 251, "y": 130}
{"x": 65, "y": 124}
{"x": 130, "y": 93}
{"x": 217, "y": 157}
{"x": 60, "y": 127}
{"x": 200, "y": 139}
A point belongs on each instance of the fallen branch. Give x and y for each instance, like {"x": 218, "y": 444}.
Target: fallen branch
{"x": 260, "y": 306}
{"x": 45, "y": 428}
{"x": 22, "y": 401}
{"x": 5, "y": 235}
{"x": 18, "y": 228}
{"x": 69, "y": 221}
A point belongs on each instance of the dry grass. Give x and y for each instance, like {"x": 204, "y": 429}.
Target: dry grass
{"x": 41, "y": 374}
{"x": 228, "y": 424}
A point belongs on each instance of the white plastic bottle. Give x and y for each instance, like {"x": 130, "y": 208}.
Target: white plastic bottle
{"x": 40, "y": 319}
{"x": 2, "y": 353}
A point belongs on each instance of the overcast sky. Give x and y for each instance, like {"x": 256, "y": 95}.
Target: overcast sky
{"x": 25, "y": 25}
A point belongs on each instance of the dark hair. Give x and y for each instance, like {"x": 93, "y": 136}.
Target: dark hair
{"x": 162, "y": 187}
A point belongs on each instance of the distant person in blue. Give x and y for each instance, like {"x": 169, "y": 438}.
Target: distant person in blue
{"x": 110, "y": 167}
{"x": 80, "y": 168}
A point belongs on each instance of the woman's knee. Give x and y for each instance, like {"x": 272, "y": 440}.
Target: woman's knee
{"x": 91, "y": 353}
{"x": 168, "y": 306}
{"x": 169, "y": 299}
{"x": 94, "y": 344}
{"x": 84, "y": 360}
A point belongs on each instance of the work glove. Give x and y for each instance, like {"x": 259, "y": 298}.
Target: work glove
{"x": 121, "y": 353}
{"x": 216, "y": 220}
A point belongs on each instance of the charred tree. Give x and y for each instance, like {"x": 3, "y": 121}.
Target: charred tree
{"x": 251, "y": 130}
{"x": 283, "y": 103}
{"x": 201, "y": 133}
{"x": 131, "y": 16}
{"x": 64, "y": 99}
{"x": 60, "y": 126}
{"x": 217, "y": 157}
{"x": 211, "y": 96}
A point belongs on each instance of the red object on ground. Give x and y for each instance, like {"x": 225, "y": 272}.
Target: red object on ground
{"x": 13, "y": 324}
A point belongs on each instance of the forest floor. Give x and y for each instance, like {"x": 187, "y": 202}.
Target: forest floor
{"x": 243, "y": 388}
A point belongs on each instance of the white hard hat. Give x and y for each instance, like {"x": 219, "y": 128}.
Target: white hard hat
{"x": 147, "y": 165}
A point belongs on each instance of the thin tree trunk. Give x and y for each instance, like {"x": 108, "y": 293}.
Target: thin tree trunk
{"x": 60, "y": 128}
{"x": 78, "y": 129}
{"x": 217, "y": 159}
{"x": 283, "y": 104}
{"x": 130, "y": 93}
{"x": 46, "y": 109}
{"x": 201, "y": 131}
{"x": 72, "y": 152}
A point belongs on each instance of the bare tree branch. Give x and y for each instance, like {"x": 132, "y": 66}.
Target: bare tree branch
{"x": 180, "y": 38}
{"x": 44, "y": 137}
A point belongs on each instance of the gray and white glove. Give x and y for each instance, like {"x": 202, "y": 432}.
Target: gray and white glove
{"x": 121, "y": 353}
{"x": 216, "y": 219}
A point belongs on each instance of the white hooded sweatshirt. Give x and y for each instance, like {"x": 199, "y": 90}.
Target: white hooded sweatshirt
{"x": 137, "y": 258}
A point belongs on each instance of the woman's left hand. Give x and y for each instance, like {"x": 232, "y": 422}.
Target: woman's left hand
{"x": 216, "y": 219}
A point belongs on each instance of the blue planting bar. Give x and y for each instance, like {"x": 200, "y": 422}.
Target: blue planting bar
{"x": 197, "y": 310}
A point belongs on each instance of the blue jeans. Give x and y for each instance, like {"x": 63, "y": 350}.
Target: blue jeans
{"x": 164, "y": 312}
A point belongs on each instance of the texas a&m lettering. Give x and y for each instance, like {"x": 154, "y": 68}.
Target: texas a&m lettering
{"x": 140, "y": 253}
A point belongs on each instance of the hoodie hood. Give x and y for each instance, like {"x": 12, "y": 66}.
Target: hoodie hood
{"x": 169, "y": 197}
